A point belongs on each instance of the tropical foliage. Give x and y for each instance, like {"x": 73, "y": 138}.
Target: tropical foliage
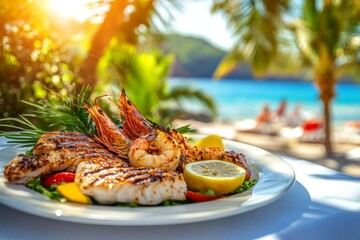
{"x": 257, "y": 27}
{"x": 44, "y": 58}
{"x": 32, "y": 58}
{"x": 129, "y": 22}
{"x": 320, "y": 38}
{"x": 329, "y": 44}
{"x": 144, "y": 76}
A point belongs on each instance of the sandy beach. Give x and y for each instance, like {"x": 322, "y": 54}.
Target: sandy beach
{"x": 346, "y": 158}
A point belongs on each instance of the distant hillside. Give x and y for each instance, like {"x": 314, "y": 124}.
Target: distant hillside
{"x": 196, "y": 57}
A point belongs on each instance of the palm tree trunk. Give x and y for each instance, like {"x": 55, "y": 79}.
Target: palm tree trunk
{"x": 326, "y": 83}
{"x": 112, "y": 22}
{"x": 327, "y": 128}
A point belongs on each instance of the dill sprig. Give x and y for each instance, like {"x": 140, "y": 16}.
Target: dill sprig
{"x": 67, "y": 115}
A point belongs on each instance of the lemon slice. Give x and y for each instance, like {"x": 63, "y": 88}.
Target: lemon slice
{"x": 210, "y": 141}
{"x": 220, "y": 176}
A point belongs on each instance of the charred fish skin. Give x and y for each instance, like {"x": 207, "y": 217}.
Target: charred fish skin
{"x": 56, "y": 151}
{"x": 71, "y": 141}
{"x": 24, "y": 168}
{"x": 109, "y": 183}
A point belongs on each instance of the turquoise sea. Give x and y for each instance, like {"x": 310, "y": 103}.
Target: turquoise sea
{"x": 243, "y": 99}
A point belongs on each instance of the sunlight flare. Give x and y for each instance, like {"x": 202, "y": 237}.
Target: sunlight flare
{"x": 69, "y": 9}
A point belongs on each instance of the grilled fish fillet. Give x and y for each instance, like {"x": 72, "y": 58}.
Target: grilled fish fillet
{"x": 109, "y": 182}
{"x": 56, "y": 151}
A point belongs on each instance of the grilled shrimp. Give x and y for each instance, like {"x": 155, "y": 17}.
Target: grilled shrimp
{"x": 193, "y": 153}
{"x": 178, "y": 137}
{"x": 155, "y": 150}
{"x": 135, "y": 126}
{"x": 134, "y": 123}
{"x": 108, "y": 133}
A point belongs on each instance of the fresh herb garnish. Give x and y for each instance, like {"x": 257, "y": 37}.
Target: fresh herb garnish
{"x": 185, "y": 129}
{"x": 247, "y": 184}
{"x": 172, "y": 203}
{"x": 68, "y": 115}
{"x": 131, "y": 205}
{"x": 25, "y": 136}
{"x": 50, "y": 192}
{"x": 209, "y": 192}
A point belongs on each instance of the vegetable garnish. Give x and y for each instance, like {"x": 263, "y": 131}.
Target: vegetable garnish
{"x": 72, "y": 192}
{"x": 210, "y": 195}
{"x": 58, "y": 178}
{"x": 201, "y": 197}
{"x": 50, "y": 192}
{"x": 192, "y": 196}
{"x": 245, "y": 186}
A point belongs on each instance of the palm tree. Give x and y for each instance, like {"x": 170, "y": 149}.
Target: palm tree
{"x": 122, "y": 21}
{"x": 328, "y": 38}
{"x": 325, "y": 35}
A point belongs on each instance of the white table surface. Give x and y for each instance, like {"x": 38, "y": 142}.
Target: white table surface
{"x": 323, "y": 204}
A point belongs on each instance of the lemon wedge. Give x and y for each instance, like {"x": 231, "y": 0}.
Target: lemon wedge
{"x": 220, "y": 176}
{"x": 210, "y": 141}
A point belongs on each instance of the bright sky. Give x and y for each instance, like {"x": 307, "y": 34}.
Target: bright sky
{"x": 196, "y": 19}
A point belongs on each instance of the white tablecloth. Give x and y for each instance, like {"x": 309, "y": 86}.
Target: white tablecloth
{"x": 323, "y": 204}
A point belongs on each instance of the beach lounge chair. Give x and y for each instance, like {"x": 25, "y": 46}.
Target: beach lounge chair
{"x": 313, "y": 131}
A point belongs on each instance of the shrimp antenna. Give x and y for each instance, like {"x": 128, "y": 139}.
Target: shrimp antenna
{"x": 96, "y": 99}
{"x": 115, "y": 70}
{"x": 58, "y": 95}
{"x": 128, "y": 56}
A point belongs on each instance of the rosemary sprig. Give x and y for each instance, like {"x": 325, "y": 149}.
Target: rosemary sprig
{"x": 68, "y": 115}
{"x": 185, "y": 129}
{"x": 24, "y": 136}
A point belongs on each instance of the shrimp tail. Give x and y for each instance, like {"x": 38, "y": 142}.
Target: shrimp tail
{"x": 134, "y": 123}
{"x": 108, "y": 133}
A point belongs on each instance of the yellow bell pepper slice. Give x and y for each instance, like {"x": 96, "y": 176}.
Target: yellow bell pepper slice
{"x": 72, "y": 192}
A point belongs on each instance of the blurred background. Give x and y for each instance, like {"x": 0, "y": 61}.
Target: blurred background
{"x": 248, "y": 70}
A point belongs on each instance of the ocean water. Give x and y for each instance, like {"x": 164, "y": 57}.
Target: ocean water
{"x": 243, "y": 99}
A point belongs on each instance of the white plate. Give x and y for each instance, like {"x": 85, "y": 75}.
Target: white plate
{"x": 275, "y": 177}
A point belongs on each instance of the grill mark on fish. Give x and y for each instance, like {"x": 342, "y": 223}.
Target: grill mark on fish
{"x": 128, "y": 174}
{"x": 57, "y": 151}
{"x": 99, "y": 173}
{"x": 109, "y": 182}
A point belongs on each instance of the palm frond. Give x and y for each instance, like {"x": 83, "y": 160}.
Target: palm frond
{"x": 256, "y": 27}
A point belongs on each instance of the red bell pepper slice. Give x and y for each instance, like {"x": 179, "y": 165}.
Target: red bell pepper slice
{"x": 200, "y": 197}
{"x": 58, "y": 178}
